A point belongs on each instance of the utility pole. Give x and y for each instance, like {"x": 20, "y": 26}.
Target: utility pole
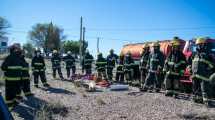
{"x": 80, "y": 48}
{"x": 98, "y": 45}
{"x": 83, "y": 50}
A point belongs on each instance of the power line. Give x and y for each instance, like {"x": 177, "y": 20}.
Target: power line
{"x": 138, "y": 29}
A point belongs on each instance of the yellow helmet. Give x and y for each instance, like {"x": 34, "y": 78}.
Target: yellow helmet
{"x": 146, "y": 45}
{"x": 201, "y": 40}
{"x": 175, "y": 41}
{"x": 54, "y": 51}
{"x": 155, "y": 44}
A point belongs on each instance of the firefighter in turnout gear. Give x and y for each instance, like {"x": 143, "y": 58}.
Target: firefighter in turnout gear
{"x": 101, "y": 64}
{"x": 12, "y": 68}
{"x": 174, "y": 68}
{"x": 38, "y": 68}
{"x": 111, "y": 61}
{"x": 154, "y": 65}
{"x": 87, "y": 63}
{"x": 143, "y": 64}
{"x": 119, "y": 70}
{"x": 70, "y": 63}
{"x": 202, "y": 68}
{"x": 25, "y": 79}
{"x": 128, "y": 67}
{"x": 56, "y": 64}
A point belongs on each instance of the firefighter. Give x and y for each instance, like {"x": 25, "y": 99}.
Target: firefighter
{"x": 174, "y": 68}
{"x": 25, "y": 79}
{"x": 56, "y": 64}
{"x": 154, "y": 65}
{"x": 143, "y": 63}
{"x": 38, "y": 69}
{"x": 87, "y": 63}
{"x": 128, "y": 64}
{"x": 70, "y": 63}
{"x": 101, "y": 63}
{"x": 119, "y": 70}
{"x": 202, "y": 69}
{"x": 111, "y": 61}
{"x": 12, "y": 68}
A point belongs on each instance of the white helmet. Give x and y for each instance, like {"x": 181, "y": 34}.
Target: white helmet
{"x": 69, "y": 52}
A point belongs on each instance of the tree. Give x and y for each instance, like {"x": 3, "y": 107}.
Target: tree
{"x": 4, "y": 24}
{"x": 29, "y": 49}
{"x": 73, "y": 46}
{"x": 47, "y": 36}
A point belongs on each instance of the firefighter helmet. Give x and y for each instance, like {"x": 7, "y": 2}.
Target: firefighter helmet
{"x": 128, "y": 53}
{"x": 111, "y": 50}
{"x": 175, "y": 41}
{"x": 155, "y": 44}
{"x": 37, "y": 51}
{"x": 99, "y": 54}
{"x": 201, "y": 40}
{"x": 15, "y": 47}
{"x": 146, "y": 45}
{"x": 54, "y": 51}
{"x": 69, "y": 52}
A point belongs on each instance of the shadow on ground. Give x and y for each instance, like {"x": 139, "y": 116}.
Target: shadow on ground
{"x": 28, "y": 109}
{"x": 58, "y": 91}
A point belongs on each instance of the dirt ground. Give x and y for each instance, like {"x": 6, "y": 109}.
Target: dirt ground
{"x": 65, "y": 101}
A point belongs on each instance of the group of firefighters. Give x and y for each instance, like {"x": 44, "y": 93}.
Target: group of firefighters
{"x": 17, "y": 77}
{"x": 152, "y": 66}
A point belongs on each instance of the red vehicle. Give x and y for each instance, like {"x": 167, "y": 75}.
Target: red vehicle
{"x": 187, "y": 47}
{"x": 137, "y": 48}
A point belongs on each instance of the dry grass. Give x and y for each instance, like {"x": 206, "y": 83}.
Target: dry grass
{"x": 100, "y": 101}
{"x": 47, "y": 111}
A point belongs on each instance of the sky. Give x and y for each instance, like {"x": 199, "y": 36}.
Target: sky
{"x": 115, "y": 22}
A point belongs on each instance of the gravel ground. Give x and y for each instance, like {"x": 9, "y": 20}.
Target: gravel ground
{"x": 76, "y": 104}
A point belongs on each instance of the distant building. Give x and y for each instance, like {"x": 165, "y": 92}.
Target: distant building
{"x": 3, "y": 44}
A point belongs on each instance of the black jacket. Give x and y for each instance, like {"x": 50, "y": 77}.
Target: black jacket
{"x": 175, "y": 62}
{"x": 87, "y": 61}
{"x": 38, "y": 64}
{"x": 111, "y": 60}
{"x": 25, "y": 69}
{"x": 203, "y": 65}
{"x": 144, "y": 59}
{"x": 70, "y": 61}
{"x": 56, "y": 61}
{"x": 12, "y": 67}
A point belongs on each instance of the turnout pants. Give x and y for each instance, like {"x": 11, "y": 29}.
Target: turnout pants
{"x": 172, "y": 83}
{"x": 110, "y": 72}
{"x": 152, "y": 80}
{"x": 120, "y": 76}
{"x": 128, "y": 75}
{"x": 57, "y": 69}
{"x": 25, "y": 87}
{"x": 11, "y": 89}
{"x": 68, "y": 69}
{"x": 42, "y": 76}
{"x": 143, "y": 74}
{"x": 202, "y": 89}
